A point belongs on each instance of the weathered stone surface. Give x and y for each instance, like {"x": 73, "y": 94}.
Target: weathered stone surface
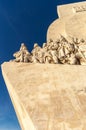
{"x": 47, "y": 96}
{"x": 76, "y": 26}
{"x": 71, "y": 21}
{"x": 71, "y": 9}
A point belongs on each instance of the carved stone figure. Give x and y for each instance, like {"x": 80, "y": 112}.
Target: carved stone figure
{"x": 35, "y": 51}
{"x": 60, "y": 51}
{"x": 23, "y": 54}
{"x": 17, "y": 55}
{"x": 48, "y": 58}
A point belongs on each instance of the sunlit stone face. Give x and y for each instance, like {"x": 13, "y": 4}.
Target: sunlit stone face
{"x": 76, "y": 26}
{"x": 71, "y": 22}
{"x": 71, "y": 9}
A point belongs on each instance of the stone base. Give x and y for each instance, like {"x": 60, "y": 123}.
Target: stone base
{"x": 47, "y": 96}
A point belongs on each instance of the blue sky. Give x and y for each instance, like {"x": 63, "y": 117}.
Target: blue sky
{"x": 21, "y": 21}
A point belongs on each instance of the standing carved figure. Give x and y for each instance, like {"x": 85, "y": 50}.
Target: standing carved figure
{"x": 23, "y": 55}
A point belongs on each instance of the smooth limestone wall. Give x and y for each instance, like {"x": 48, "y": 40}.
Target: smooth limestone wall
{"x": 71, "y": 22}
{"x": 47, "y": 96}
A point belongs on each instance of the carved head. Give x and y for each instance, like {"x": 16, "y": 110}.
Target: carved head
{"x": 35, "y": 45}
{"x": 16, "y": 54}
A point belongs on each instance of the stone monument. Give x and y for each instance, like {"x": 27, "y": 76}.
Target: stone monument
{"x": 47, "y": 86}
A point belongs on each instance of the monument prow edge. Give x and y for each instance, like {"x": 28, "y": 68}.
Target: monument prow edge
{"x": 24, "y": 120}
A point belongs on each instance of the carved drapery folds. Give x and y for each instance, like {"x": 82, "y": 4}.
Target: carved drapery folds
{"x": 61, "y": 51}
